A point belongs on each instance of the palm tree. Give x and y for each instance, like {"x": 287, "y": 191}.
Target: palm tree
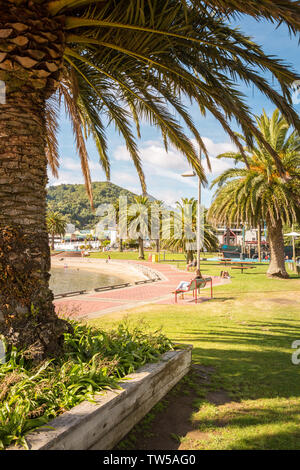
{"x": 56, "y": 225}
{"x": 138, "y": 221}
{"x": 158, "y": 213}
{"x": 179, "y": 231}
{"x": 144, "y": 217}
{"x": 259, "y": 194}
{"x": 116, "y": 206}
{"x": 110, "y": 61}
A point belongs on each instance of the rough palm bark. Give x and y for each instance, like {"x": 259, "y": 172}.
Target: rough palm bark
{"x": 52, "y": 241}
{"x": 27, "y": 315}
{"x": 189, "y": 256}
{"x": 141, "y": 248}
{"x": 276, "y": 241}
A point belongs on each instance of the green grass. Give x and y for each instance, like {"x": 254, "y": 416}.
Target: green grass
{"x": 133, "y": 255}
{"x": 253, "y": 280}
{"x": 245, "y": 333}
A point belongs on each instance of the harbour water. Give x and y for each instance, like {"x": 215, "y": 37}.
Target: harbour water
{"x": 72, "y": 279}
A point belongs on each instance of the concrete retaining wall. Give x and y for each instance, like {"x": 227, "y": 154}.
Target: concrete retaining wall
{"x": 103, "y": 424}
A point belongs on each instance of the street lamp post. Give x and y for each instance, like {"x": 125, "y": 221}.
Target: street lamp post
{"x": 190, "y": 174}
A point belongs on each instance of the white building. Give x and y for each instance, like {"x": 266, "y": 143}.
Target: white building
{"x": 234, "y": 236}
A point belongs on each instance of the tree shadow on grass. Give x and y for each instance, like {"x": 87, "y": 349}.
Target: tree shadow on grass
{"x": 221, "y": 299}
{"x": 273, "y": 425}
{"x": 248, "y": 425}
{"x": 251, "y": 364}
{"x": 164, "y": 425}
{"x": 254, "y": 363}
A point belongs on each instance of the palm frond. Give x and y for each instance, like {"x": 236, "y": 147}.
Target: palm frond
{"x": 52, "y": 126}
{"x": 65, "y": 91}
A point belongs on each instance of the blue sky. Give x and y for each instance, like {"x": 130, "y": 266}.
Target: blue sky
{"x": 163, "y": 170}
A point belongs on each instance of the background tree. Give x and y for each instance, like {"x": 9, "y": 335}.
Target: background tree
{"x": 180, "y": 230}
{"x": 110, "y": 61}
{"x": 138, "y": 220}
{"x": 72, "y": 201}
{"x": 117, "y": 213}
{"x": 259, "y": 193}
{"x": 288, "y": 229}
{"x": 158, "y": 213}
{"x": 56, "y": 225}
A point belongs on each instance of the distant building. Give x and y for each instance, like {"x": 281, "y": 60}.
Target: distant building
{"x": 70, "y": 228}
{"x": 110, "y": 233}
{"x": 234, "y": 236}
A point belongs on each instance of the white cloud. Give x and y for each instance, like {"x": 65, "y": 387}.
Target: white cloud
{"x": 169, "y": 196}
{"x": 73, "y": 164}
{"x": 66, "y": 177}
{"x": 215, "y": 149}
{"x": 156, "y": 161}
{"x": 154, "y": 153}
{"x": 125, "y": 178}
{"x": 217, "y": 167}
{"x": 162, "y": 170}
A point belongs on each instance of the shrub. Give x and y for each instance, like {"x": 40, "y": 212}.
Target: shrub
{"x": 94, "y": 360}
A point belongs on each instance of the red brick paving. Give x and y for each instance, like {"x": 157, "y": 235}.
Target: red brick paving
{"x": 82, "y": 307}
{"x": 160, "y": 292}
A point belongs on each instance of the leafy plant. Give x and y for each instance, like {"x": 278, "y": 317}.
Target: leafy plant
{"x": 258, "y": 194}
{"x": 94, "y": 360}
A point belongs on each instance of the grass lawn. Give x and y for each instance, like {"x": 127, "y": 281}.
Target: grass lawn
{"x": 243, "y": 337}
{"x": 133, "y": 255}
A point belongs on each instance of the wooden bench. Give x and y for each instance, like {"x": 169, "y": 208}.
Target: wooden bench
{"x": 194, "y": 286}
{"x": 242, "y": 267}
{"x": 225, "y": 261}
{"x": 70, "y": 294}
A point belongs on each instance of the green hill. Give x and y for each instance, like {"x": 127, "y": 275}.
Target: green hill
{"x": 71, "y": 200}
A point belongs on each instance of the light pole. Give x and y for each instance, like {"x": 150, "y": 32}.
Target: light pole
{"x": 190, "y": 174}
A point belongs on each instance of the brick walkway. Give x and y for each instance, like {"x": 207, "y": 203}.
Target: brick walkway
{"x": 93, "y": 305}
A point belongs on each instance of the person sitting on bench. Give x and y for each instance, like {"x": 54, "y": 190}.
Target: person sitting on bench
{"x": 183, "y": 285}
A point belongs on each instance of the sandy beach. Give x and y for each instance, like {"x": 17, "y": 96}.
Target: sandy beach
{"x": 126, "y": 271}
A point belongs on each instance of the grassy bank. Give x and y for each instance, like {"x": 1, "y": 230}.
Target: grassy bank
{"x": 133, "y": 255}
{"x": 244, "y": 337}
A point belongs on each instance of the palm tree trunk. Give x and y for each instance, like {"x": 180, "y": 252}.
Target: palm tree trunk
{"x": 27, "y": 315}
{"x": 141, "y": 248}
{"x": 276, "y": 241}
{"x": 121, "y": 245}
{"x": 52, "y": 242}
{"x": 189, "y": 256}
{"x": 157, "y": 245}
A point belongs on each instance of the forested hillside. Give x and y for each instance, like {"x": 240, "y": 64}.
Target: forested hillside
{"x": 71, "y": 200}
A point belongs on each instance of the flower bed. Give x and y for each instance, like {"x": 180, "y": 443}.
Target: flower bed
{"x": 94, "y": 361}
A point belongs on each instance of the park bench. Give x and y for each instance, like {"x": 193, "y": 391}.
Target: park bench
{"x": 243, "y": 267}
{"x": 115, "y": 286}
{"x": 194, "y": 286}
{"x": 70, "y": 294}
{"x": 225, "y": 261}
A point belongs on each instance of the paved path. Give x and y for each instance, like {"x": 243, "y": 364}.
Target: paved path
{"x": 93, "y": 304}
